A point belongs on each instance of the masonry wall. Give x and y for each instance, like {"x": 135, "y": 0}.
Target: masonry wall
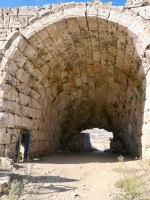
{"x": 74, "y": 66}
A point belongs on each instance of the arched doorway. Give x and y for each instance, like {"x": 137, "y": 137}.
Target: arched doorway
{"x": 76, "y": 69}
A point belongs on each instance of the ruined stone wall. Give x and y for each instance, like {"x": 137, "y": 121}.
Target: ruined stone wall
{"x": 74, "y": 66}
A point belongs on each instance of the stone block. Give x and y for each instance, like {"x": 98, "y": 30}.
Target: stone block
{"x": 4, "y": 136}
{"x": 147, "y": 153}
{"x": 136, "y": 3}
{"x": 147, "y": 140}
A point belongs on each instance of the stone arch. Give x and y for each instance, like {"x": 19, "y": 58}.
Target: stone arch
{"x": 78, "y": 66}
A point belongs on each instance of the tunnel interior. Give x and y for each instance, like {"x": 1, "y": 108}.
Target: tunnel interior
{"x": 75, "y": 74}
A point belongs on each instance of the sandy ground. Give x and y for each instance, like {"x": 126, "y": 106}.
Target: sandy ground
{"x": 69, "y": 176}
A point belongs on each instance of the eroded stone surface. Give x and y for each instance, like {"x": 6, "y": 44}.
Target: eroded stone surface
{"x": 73, "y": 66}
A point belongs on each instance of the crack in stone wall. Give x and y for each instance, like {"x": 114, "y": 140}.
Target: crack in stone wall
{"x": 74, "y": 66}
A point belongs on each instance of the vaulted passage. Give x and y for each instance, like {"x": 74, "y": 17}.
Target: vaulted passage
{"x": 62, "y": 76}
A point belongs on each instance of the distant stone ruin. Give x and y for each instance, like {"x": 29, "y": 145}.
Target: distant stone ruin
{"x": 70, "y": 67}
{"x": 97, "y": 139}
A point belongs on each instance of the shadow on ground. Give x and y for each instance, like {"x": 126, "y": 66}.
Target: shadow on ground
{"x": 84, "y": 157}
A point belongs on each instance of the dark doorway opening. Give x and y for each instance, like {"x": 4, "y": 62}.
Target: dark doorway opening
{"x": 24, "y": 141}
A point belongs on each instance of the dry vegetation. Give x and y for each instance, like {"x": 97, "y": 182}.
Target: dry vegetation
{"x": 134, "y": 181}
{"x": 133, "y": 184}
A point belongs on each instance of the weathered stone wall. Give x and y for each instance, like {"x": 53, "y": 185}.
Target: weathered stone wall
{"x": 74, "y": 66}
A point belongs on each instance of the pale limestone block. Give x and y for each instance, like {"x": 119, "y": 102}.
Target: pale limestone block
{"x": 4, "y": 136}
{"x": 25, "y": 89}
{"x": 46, "y": 83}
{"x": 33, "y": 113}
{"x": 140, "y": 47}
{"x": 53, "y": 31}
{"x": 34, "y": 103}
{"x": 130, "y": 46}
{"x": 147, "y": 59}
{"x": 147, "y": 153}
{"x": 11, "y": 120}
{"x": 10, "y": 11}
{"x": 25, "y": 78}
{"x": 38, "y": 114}
{"x": 7, "y": 105}
{"x": 56, "y": 8}
{"x": 49, "y": 19}
{"x": 45, "y": 11}
{"x": 6, "y": 88}
{"x": 144, "y": 37}
{"x": 144, "y": 83}
{"x": 30, "y": 53}
{"x": 96, "y": 56}
{"x": 20, "y": 74}
{"x": 81, "y": 51}
{"x": 29, "y": 68}
{"x": 4, "y": 63}
{"x": 127, "y": 17}
{"x": 92, "y": 23}
{"x": 145, "y": 129}
{"x": 136, "y": 3}
{"x": 18, "y": 121}
{"x": 19, "y": 58}
{"x": 147, "y": 91}
{"x": 4, "y": 119}
{"x": 104, "y": 11}
{"x": 36, "y": 42}
{"x": 10, "y": 52}
{"x": 14, "y": 135}
{"x": 147, "y": 104}
{"x": 142, "y": 140}
{"x": 148, "y": 78}
{"x": 24, "y": 122}
{"x": 25, "y": 100}
{"x": 142, "y": 71}
{"x": 17, "y": 108}
{"x": 27, "y": 10}
{"x": 13, "y": 94}
{"x": 40, "y": 76}
{"x": 147, "y": 140}
{"x": 1, "y": 11}
{"x": 81, "y": 9}
{"x": 52, "y": 18}
{"x": 22, "y": 44}
{"x": 43, "y": 33}
{"x": 28, "y": 31}
{"x": 37, "y": 124}
{"x": 138, "y": 25}
{"x": 22, "y": 98}
{"x": 6, "y": 21}
{"x": 11, "y": 67}
{"x": 1, "y": 137}
{"x": 17, "y": 22}
{"x": 143, "y": 11}
{"x": 146, "y": 117}
{"x": 121, "y": 41}
{"x": 115, "y": 13}
{"x": 70, "y": 10}
{"x": 37, "y": 25}
{"x": 91, "y": 10}
{"x": 35, "y": 95}
{"x": 2, "y": 22}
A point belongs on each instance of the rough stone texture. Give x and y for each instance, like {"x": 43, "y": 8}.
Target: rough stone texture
{"x": 6, "y": 163}
{"x": 73, "y": 66}
{"x": 137, "y": 3}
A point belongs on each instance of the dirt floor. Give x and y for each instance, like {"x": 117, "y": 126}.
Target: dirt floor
{"x": 72, "y": 176}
